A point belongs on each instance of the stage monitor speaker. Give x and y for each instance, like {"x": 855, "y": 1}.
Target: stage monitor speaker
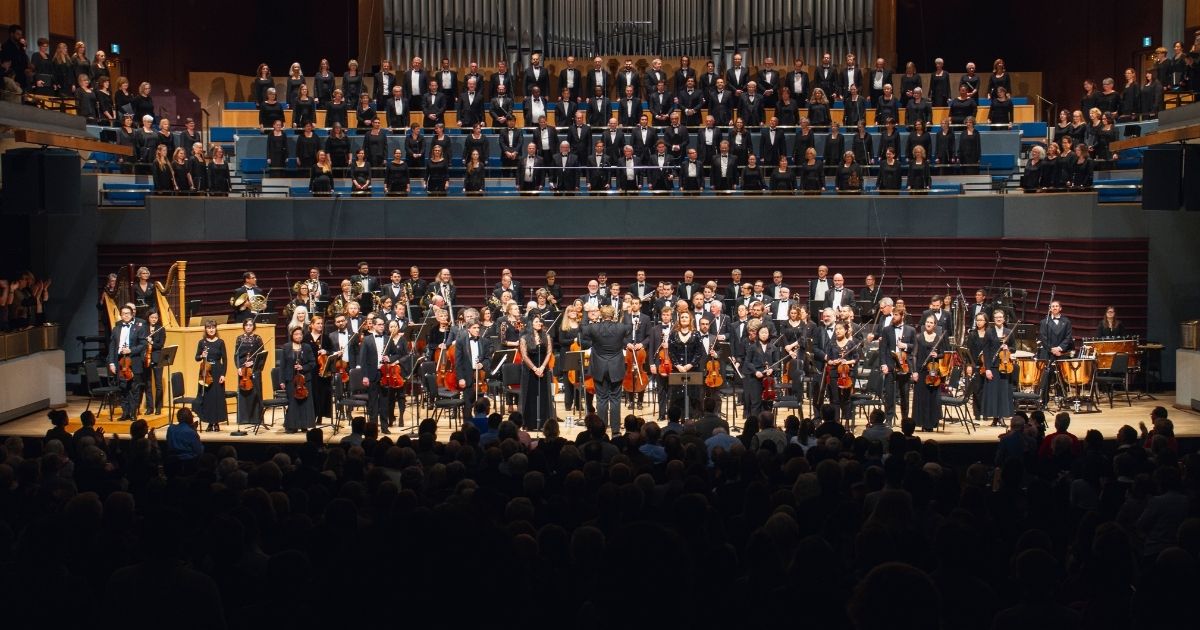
{"x": 38, "y": 181}
{"x": 1191, "y": 173}
{"x": 1162, "y": 183}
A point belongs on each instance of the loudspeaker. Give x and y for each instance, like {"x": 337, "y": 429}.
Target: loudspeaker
{"x": 38, "y": 181}
{"x": 22, "y": 180}
{"x": 1191, "y": 173}
{"x": 1162, "y": 182}
{"x": 61, "y": 173}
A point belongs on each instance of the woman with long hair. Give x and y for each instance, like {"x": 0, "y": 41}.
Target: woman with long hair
{"x": 537, "y": 399}
{"x": 163, "y": 174}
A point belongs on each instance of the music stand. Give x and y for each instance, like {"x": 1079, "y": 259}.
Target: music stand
{"x": 814, "y": 309}
{"x": 573, "y": 362}
{"x": 686, "y": 379}
{"x": 165, "y": 357}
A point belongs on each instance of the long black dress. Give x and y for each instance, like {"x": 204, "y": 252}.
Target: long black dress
{"x": 218, "y": 177}
{"x": 300, "y": 415}
{"x": 320, "y": 387}
{"x": 537, "y": 400}
{"x": 250, "y": 405}
{"x": 927, "y": 399}
{"x": 210, "y": 399}
{"x": 841, "y": 398}
{"x": 756, "y": 358}
{"x": 437, "y": 176}
{"x": 997, "y": 400}
{"x": 689, "y": 352}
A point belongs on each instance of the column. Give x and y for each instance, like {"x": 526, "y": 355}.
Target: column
{"x": 37, "y": 23}
{"x": 87, "y": 15}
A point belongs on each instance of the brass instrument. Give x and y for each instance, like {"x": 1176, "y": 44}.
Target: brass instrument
{"x": 356, "y": 289}
{"x": 336, "y": 307}
{"x": 258, "y": 302}
{"x": 296, "y": 287}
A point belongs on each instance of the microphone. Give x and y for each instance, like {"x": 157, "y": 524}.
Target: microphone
{"x": 901, "y": 281}
{"x": 939, "y": 268}
{"x": 998, "y": 256}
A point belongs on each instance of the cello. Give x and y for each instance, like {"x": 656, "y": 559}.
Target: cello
{"x": 447, "y": 376}
{"x": 712, "y": 373}
{"x": 589, "y": 384}
{"x": 636, "y": 379}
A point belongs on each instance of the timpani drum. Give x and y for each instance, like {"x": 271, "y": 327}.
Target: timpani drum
{"x": 1029, "y": 374}
{"x": 1077, "y": 372}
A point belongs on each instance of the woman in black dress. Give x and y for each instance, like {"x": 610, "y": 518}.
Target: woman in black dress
{"x": 337, "y": 146}
{"x": 414, "y": 147}
{"x": 919, "y": 137}
{"x": 999, "y": 79}
{"x": 818, "y": 109}
{"x": 296, "y": 359}
{"x": 887, "y": 106}
{"x": 197, "y": 167}
{"x": 835, "y": 146}
{"x": 304, "y": 109}
{"x": 946, "y": 154}
{"x": 475, "y": 141}
{"x": 294, "y": 81}
{"x": 976, "y": 342}
{"x": 375, "y": 143}
{"x": 1081, "y": 169}
{"x": 927, "y": 399}
{"x": 218, "y": 172}
{"x": 919, "y": 177}
{"x": 440, "y": 139}
{"x": 687, "y": 355}
{"x": 360, "y": 175}
{"x": 783, "y": 180}
{"x": 1110, "y": 327}
{"x": 537, "y": 399}
{"x": 321, "y": 176}
{"x": 1079, "y": 127}
{"x": 862, "y": 144}
{"x": 352, "y": 81}
{"x": 106, "y": 113}
{"x": 939, "y": 84}
{"x": 86, "y": 103}
{"x": 1105, "y": 135}
{"x": 336, "y": 111}
{"x": 437, "y": 173}
{"x": 969, "y": 151}
{"x": 849, "y": 174}
{"x": 963, "y": 106}
{"x": 64, "y": 77}
{"x": 323, "y": 84}
{"x": 308, "y": 143}
{"x": 277, "y": 149}
{"x": 787, "y": 110}
{"x": 997, "y": 399}
{"x": 812, "y": 176}
{"x": 163, "y": 174}
{"x": 396, "y": 180}
{"x": 1051, "y": 163}
{"x": 889, "y": 172}
{"x": 889, "y": 138}
{"x": 473, "y": 182}
{"x": 843, "y": 351}
{"x": 270, "y": 111}
{"x": 752, "y": 178}
{"x": 909, "y": 81}
{"x": 854, "y": 108}
{"x": 262, "y": 81}
{"x": 320, "y": 386}
{"x": 566, "y": 333}
{"x": 1031, "y": 178}
{"x": 210, "y": 401}
{"x": 143, "y": 103}
{"x": 396, "y": 350}
{"x": 364, "y": 114}
{"x": 123, "y": 98}
{"x": 1000, "y": 112}
{"x": 758, "y": 362}
{"x": 1063, "y": 126}
{"x": 247, "y": 350}
{"x": 152, "y": 374}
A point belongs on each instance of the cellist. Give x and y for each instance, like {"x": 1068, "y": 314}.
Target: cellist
{"x": 656, "y": 343}
{"x": 638, "y": 338}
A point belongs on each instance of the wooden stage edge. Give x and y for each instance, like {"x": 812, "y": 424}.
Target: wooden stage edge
{"x": 1107, "y": 421}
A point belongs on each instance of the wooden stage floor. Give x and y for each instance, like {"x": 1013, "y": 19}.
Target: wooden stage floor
{"x": 1107, "y": 421}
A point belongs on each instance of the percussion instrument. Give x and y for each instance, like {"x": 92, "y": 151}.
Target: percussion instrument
{"x": 1029, "y": 373}
{"x": 1104, "y": 351}
{"x": 1078, "y": 375}
{"x": 1022, "y": 354}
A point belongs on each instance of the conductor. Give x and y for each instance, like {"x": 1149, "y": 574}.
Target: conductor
{"x": 608, "y": 363}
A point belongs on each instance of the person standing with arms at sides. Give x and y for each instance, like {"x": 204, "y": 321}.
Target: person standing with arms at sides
{"x": 213, "y": 358}
{"x": 296, "y": 359}
{"x": 396, "y": 349}
{"x": 897, "y": 341}
{"x": 997, "y": 391}
{"x": 927, "y": 399}
{"x": 156, "y": 337}
{"x": 473, "y": 354}
{"x": 372, "y": 354}
{"x": 537, "y": 399}
{"x": 687, "y": 355}
{"x": 1055, "y": 341}
{"x": 128, "y": 341}
{"x": 841, "y": 351}
{"x": 759, "y": 362}
{"x": 320, "y": 385}
{"x": 608, "y": 340}
{"x": 248, "y": 347}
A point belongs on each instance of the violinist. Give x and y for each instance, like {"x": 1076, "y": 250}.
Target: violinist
{"x": 343, "y": 343}
{"x": 126, "y": 348}
{"x": 708, "y": 344}
{"x": 841, "y": 356}
{"x": 152, "y": 381}
{"x": 537, "y": 398}
{"x": 211, "y": 353}
{"x": 796, "y": 332}
{"x": 897, "y": 360}
{"x": 687, "y": 355}
{"x": 566, "y": 334}
{"x": 397, "y": 347}
{"x": 997, "y": 400}
{"x": 640, "y": 329}
{"x": 760, "y": 362}
{"x": 510, "y": 333}
{"x": 976, "y": 340}
{"x": 372, "y": 354}
{"x": 319, "y": 385}
{"x": 247, "y": 350}
{"x": 297, "y": 366}
{"x": 473, "y": 363}
{"x": 656, "y": 342}
{"x": 927, "y": 397}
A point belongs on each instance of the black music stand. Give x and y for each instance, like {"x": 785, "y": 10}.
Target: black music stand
{"x": 573, "y": 362}
{"x": 165, "y": 358}
{"x": 685, "y": 379}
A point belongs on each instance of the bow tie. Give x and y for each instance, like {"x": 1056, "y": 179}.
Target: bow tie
{"x": 378, "y": 336}
{"x": 474, "y": 338}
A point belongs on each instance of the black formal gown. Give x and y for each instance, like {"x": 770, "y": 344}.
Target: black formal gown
{"x": 361, "y": 174}
{"x": 210, "y": 400}
{"x": 218, "y": 177}
{"x": 320, "y": 386}
{"x": 783, "y": 182}
{"x": 437, "y": 176}
{"x": 320, "y": 181}
{"x": 537, "y": 400}
{"x": 250, "y": 403}
{"x": 927, "y": 399}
{"x": 336, "y": 113}
{"x": 997, "y": 398}
{"x": 812, "y": 177}
{"x": 301, "y": 413}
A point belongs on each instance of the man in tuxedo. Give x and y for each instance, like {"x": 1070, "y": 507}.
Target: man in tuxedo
{"x": 598, "y": 77}
{"x": 128, "y": 339}
{"x": 564, "y": 174}
{"x": 818, "y": 288}
{"x": 317, "y": 288}
{"x": 571, "y": 79}
{"x": 507, "y": 284}
{"x": 750, "y": 106}
{"x": 1055, "y": 342}
{"x": 643, "y": 138}
{"x": 797, "y": 82}
{"x": 661, "y": 104}
{"x": 653, "y": 77}
{"x": 708, "y": 140}
{"x": 839, "y": 296}
{"x": 733, "y": 290}
{"x": 447, "y": 82}
{"x": 608, "y": 340}
{"x": 691, "y": 173}
{"x": 433, "y": 105}
{"x": 980, "y": 306}
{"x": 249, "y": 289}
{"x": 688, "y": 287}
{"x": 474, "y": 73}
{"x": 342, "y": 341}
{"x": 536, "y": 75}
{"x": 896, "y": 337}
{"x": 385, "y": 79}
{"x": 372, "y": 354}
{"x": 690, "y": 101}
{"x": 579, "y": 134}
{"x": 614, "y": 141}
{"x": 599, "y": 108}
{"x": 473, "y": 353}
{"x": 530, "y": 176}
{"x": 826, "y": 76}
{"x": 594, "y": 297}
{"x": 416, "y": 82}
{"x": 724, "y": 169}
{"x": 564, "y": 109}
{"x": 546, "y": 138}
{"x": 629, "y": 109}
{"x": 366, "y": 283}
{"x": 511, "y": 143}
{"x": 397, "y": 109}
{"x": 396, "y": 288}
{"x": 535, "y": 107}
{"x": 737, "y": 77}
{"x": 878, "y": 77}
{"x": 781, "y": 305}
{"x": 470, "y": 106}
{"x": 501, "y": 107}
{"x": 642, "y": 290}
{"x": 599, "y": 175}
{"x": 626, "y": 170}
{"x": 768, "y": 82}
{"x": 772, "y": 144}
{"x": 501, "y": 77}
{"x": 626, "y": 77}
{"x": 939, "y": 313}
{"x": 722, "y": 103}
{"x": 851, "y": 74}
{"x": 661, "y": 173}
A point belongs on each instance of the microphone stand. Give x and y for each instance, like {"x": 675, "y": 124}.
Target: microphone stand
{"x": 995, "y": 268}
{"x": 1037, "y": 301}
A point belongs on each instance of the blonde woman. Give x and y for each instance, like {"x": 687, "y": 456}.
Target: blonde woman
{"x": 163, "y": 174}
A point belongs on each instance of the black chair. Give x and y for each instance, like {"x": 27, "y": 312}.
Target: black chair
{"x": 275, "y": 403}
{"x": 1116, "y": 375}
{"x": 866, "y": 396}
{"x": 344, "y": 402}
{"x": 960, "y": 404}
{"x": 510, "y": 381}
{"x": 440, "y": 399}
{"x": 178, "y": 395}
{"x": 98, "y": 389}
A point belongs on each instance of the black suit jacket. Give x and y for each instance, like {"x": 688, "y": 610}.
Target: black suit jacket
{"x": 643, "y": 147}
{"x": 843, "y": 84}
{"x": 462, "y": 357}
{"x": 599, "y": 111}
{"x": 789, "y": 81}
{"x": 470, "y": 113}
{"x": 539, "y": 175}
{"x": 943, "y": 322}
{"x": 847, "y": 296}
{"x": 501, "y": 107}
{"x": 1055, "y": 336}
{"x": 629, "y": 111}
{"x": 433, "y": 104}
{"x": 394, "y": 120}
{"x": 577, "y": 89}
{"x": 580, "y": 137}
{"x": 887, "y": 345}
{"x": 614, "y": 144}
{"x": 721, "y": 106}
{"x": 379, "y": 93}
{"x": 504, "y": 79}
{"x": 589, "y": 78}
{"x": 599, "y": 175}
{"x": 737, "y": 81}
{"x": 623, "y": 79}
{"x": 729, "y": 180}
{"x": 661, "y": 105}
{"x": 542, "y": 81}
{"x": 750, "y": 110}
{"x": 770, "y": 152}
{"x": 564, "y": 177}
{"x": 448, "y": 89}
{"x": 138, "y": 331}
{"x": 607, "y": 339}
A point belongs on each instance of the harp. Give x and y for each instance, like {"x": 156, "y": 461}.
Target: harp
{"x": 169, "y": 295}
{"x": 122, "y": 294}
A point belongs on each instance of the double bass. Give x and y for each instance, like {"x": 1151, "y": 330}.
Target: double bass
{"x": 636, "y": 379}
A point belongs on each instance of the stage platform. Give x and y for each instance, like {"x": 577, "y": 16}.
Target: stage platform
{"x": 1107, "y": 421}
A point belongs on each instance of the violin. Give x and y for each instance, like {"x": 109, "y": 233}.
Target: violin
{"x": 206, "y": 376}
{"x": 768, "y": 387}
{"x": 845, "y": 380}
{"x": 246, "y": 378}
{"x": 664, "y": 360}
{"x": 481, "y": 381}
{"x": 299, "y": 385}
{"x": 901, "y": 361}
{"x": 393, "y": 376}
{"x": 1005, "y": 359}
{"x": 933, "y": 366}
{"x": 126, "y": 367}
{"x": 149, "y": 348}
{"x": 712, "y": 373}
